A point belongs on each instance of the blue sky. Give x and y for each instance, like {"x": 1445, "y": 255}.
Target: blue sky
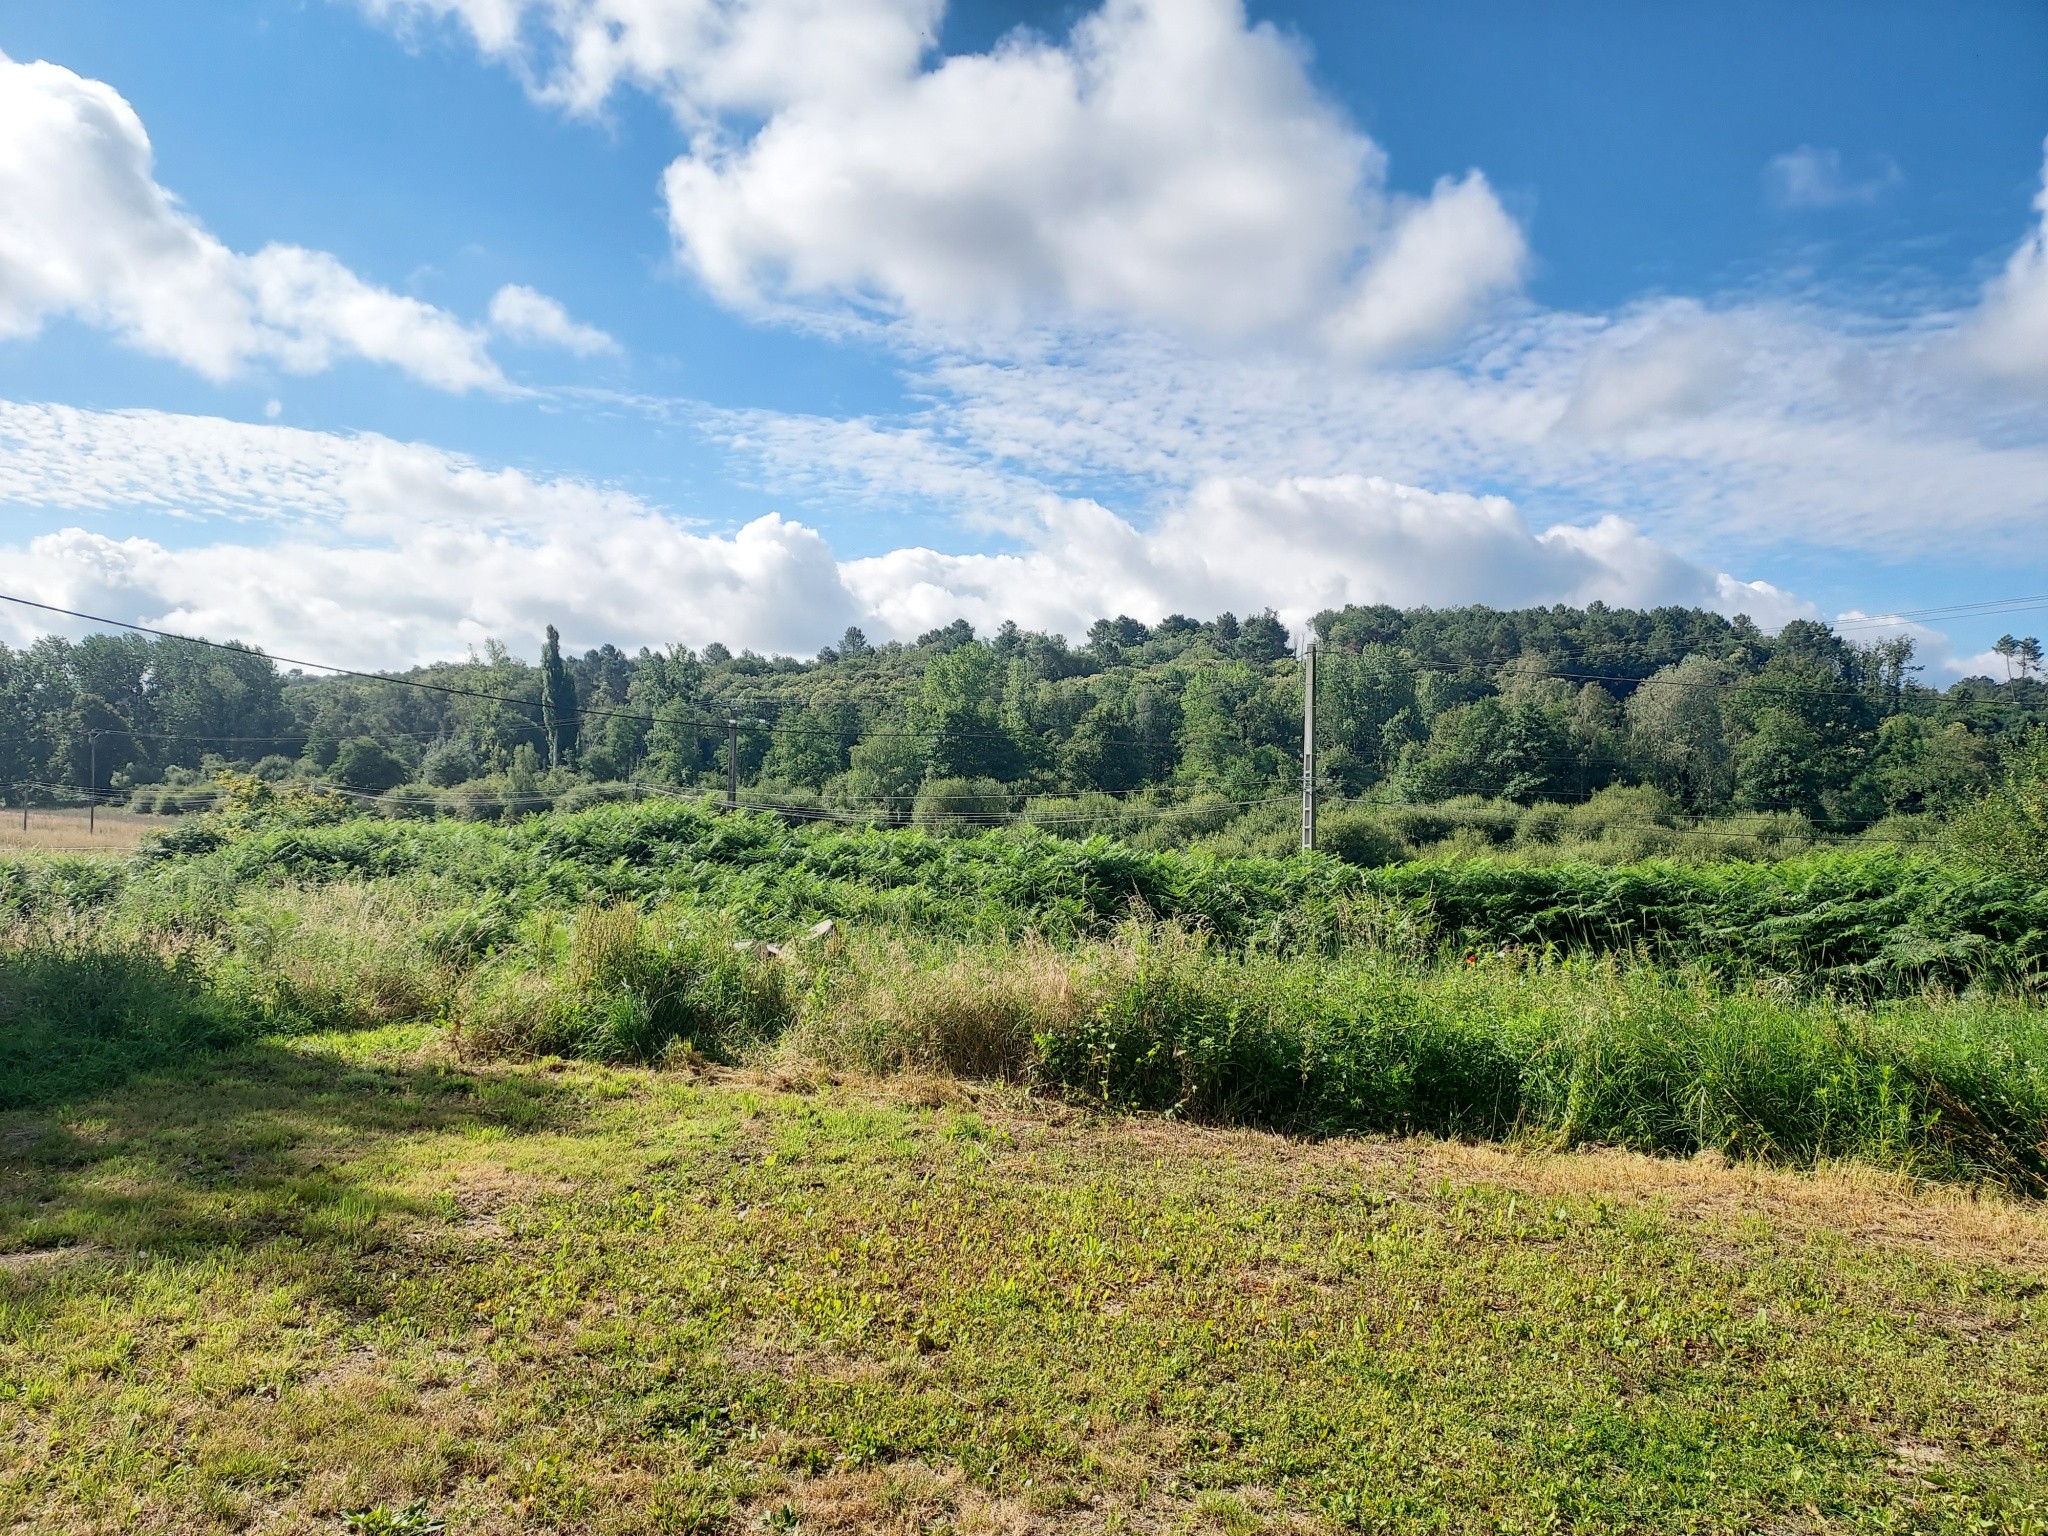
{"x": 769, "y": 316}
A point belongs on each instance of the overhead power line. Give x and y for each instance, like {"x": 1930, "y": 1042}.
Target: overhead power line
{"x": 583, "y": 711}
{"x": 1953, "y": 611}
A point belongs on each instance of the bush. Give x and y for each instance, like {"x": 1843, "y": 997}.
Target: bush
{"x": 1620, "y": 807}
{"x": 1361, "y": 838}
{"x": 83, "y": 1012}
{"x": 1869, "y": 920}
{"x": 1611, "y": 1053}
{"x": 958, "y": 806}
{"x": 2007, "y": 831}
{"x": 367, "y": 768}
{"x": 448, "y": 764}
{"x": 616, "y": 986}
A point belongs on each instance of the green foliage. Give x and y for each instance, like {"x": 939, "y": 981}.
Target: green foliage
{"x": 612, "y": 985}
{"x": 1613, "y": 1053}
{"x": 1512, "y": 752}
{"x": 960, "y": 806}
{"x": 410, "y": 1519}
{"x": 368, "y": 768}
{"x": 1872, "y": 920}
{"x": 1677, "y": 730}
{"x": 78, "y": 1015}
{"x": 1426, "y": 705}
{"x": 1361, "y": 838}
{"x": 2007, "y": 831}
{"x": 558, "y": 717}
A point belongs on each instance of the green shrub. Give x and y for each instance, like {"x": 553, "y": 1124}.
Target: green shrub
{"x": 960, "y": 806}
{"x": 1611, "y": 1053}
{"x": 2007, "y": 831}
{"x": 614, "y": 985}
{"x": 79, "y": 1013}
{"x": 1871, "y": 920}
{"x": 1360, "y": 837}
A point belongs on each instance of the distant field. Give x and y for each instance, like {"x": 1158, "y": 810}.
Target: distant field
{"x": 64, "y": 831}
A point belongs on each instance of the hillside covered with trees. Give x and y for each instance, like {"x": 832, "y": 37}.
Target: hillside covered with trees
{"x": 1694, "y": 714}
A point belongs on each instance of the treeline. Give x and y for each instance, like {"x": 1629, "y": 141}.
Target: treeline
{"x": 1415, "y": 706}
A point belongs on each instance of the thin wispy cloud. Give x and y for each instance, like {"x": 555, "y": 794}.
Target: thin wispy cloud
{"x": 381, "y": 551}
{"x": 1817, "y": 178}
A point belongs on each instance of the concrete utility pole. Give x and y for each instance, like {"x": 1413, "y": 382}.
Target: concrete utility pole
{"x": 1308, "y": 742}
{"x": 732, "y": 763}
{"x": 92, "y": 781}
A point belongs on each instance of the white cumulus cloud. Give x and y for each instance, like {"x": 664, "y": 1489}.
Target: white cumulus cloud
{"x": 1166, "y": 163}
{"x": 86, "y": 231}
{"x": 1297, "y": 545}
{"x": 2008, "y": 336}
{"x": 702, "y": 57}
{"x": 519, "y": 313}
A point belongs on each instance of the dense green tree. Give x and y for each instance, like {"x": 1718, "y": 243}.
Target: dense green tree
{"x": 2007, "y": 830}
{"x": 1499, "y": 750}
{"x": 1924, "y": 768}
{"x": 888, "y": 768}
{"x": 558, "y": 716}
{"x": 1360, "y": 695}
{"x": 1214, "y": 750}
{"x": 1675, "y": 731}
{"x": 1777, "y": 766}
{"x": 679, "y": 744}
{"x": 811, "y": 745}
{"x": 449, "y": 763}
{"x": 1126, "y": 740}
{"x": 1263, "y": 638}
{"x": 368, "y": 768}
{"x": 1711, "y": 709}
{"x": 958, "y": 707}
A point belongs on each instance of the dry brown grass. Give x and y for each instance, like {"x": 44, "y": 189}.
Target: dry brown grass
{"x": 64, "y": 831}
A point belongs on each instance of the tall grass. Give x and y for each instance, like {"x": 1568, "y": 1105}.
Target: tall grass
{"x": 614, "y": 985}
{"x": 1155, "y": 1016}
{"x": 1870, "y": 1005}
{"x": 1567, "y": 1052}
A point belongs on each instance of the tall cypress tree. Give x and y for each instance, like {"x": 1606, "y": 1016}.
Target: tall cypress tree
{"x": 557, "y": 703}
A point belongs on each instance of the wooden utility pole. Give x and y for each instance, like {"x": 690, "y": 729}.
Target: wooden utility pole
{"x": 1308, "y": 742}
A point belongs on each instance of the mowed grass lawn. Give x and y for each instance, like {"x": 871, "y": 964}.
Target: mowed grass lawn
{"x": 277, "y": 1289}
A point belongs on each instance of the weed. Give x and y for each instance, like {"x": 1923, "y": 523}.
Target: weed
{"x": 408, "y": 1520}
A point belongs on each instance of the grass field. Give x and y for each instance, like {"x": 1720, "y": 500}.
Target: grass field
{"x": 64, "y": 831}
{"x": 393, "y": 1180}
{"x": 351, "y": 1283}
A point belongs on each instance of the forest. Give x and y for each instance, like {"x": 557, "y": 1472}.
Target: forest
{"x": 1182, "y": 732}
